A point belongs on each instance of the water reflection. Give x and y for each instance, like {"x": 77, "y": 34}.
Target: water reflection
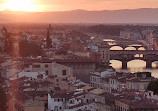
{"x": 116, "y": 48}
{"x": 116, "y": 64}
{"x": 108, "y": 40}
{"x": 141, "y": 48}
{"x": 135, "y": 66}
{"x": 130, "y": 48}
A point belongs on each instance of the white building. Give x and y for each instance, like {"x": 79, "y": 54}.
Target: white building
{"x": 33, "y": 75}
{"x": 64, "y": 100}
{"x": 95, "y": 77}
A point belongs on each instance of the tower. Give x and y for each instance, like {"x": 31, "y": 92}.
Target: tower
{"x": 6, "y": 37}
{"x": 48, "y": 40}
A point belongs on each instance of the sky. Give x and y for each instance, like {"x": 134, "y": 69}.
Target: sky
{"x": 64, "y": 5}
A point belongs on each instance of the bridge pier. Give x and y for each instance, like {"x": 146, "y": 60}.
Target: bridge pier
{"x": 137, "y": 48}
{"x": 124, "y": 64}
{"x": 148, "y": 64}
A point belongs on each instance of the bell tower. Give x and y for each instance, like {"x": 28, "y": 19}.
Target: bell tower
{"x": 48, "y": 39}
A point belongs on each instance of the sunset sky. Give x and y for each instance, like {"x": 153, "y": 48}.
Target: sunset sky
{"x": 64, "y": 5}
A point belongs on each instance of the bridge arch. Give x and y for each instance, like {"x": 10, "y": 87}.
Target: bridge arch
{"x": 116, "y": 64}
{"x": 141, "y": 48}
{"x": 136, "y": 63}
{"x": 116, "y": 48}
{"x": 155, "y": 64}
{"x": 130, "y": 48}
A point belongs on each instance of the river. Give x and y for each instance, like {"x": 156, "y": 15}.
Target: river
{"x": 134, "y": 65}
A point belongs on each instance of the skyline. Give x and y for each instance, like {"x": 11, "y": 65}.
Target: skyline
{"x": 66, "y": 5}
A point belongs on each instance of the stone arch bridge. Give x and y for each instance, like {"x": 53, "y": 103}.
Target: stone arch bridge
{"x": 125, "y": 56}
{"x": 124, "y": 46}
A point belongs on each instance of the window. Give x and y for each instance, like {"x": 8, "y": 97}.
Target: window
{"x": 55, "y": 100}
{"x": 46, "y": 72}
{"x": 145, "y": 86}
{"x": 36, "y": 66}
{"x": 138, "y": 86}
{"x": 26, "y": 66}
{"x": 63, "y": 72}
{"x": 71, "y": 102}
{"x": 56, "y": 108}
{"x": 46, "y": 66}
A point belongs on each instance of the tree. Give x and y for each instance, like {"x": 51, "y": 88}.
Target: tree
{"x": 102, "y": 66}
{"x": 3, "y": 98}
{"x": 29, "y": 49}
{"x": 153, "y": 86}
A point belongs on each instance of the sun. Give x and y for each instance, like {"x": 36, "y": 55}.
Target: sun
{"x": 20, "y": 5}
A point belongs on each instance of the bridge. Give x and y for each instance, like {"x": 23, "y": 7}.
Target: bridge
{"x": 125, "y": 56}
{"x": 126, "y": 46}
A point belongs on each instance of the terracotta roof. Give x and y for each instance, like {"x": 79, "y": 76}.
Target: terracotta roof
{"x": 64, "y": 94}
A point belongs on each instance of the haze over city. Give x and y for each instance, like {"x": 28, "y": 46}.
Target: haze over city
{"x": 65, "y": 5}
{"x": 78, "y": 55}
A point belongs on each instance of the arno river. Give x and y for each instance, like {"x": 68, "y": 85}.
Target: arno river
{"x": 134, "y": 65}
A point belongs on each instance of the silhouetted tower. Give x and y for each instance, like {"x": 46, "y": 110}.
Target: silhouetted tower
{"x": 48, "y": 40}
{"x": 7, "y": 40}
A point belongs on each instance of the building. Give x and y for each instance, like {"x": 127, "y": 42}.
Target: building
{"x": 81, "y": 66}
{"x": 139, "y": 82}
{"x": 22, "y": 102}
{"x": 104, "y": 51}
{"x": 134, "y": 101}
{"x": 47, "y": 66}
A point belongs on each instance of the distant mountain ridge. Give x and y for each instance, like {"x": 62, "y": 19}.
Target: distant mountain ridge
{"x": 145, "y": 15}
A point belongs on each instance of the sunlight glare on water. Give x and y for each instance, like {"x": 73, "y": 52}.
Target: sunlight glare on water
{"x": 116, "y": 64}
{"x": 116, "y": 48}
{"x": 141, "y": 48}
{"x": 130, "y": 48}
{"x": 134, "y": 65}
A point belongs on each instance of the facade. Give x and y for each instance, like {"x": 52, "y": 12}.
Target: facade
{"x": 134, "y": 101}
{"x": 139, "y": 82}
{"x": 104, "y": 51}
{"x": 49, "y": 67}
{"x": 109, "y": 81}
{"x": 24, "y": 103}
{"x": 81, "y": 67}
{"x": 34, "y": 105}
{"x": 150, "y": 39}
{"x": 68, "y": 101}
{"x": 56, "y": 102}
